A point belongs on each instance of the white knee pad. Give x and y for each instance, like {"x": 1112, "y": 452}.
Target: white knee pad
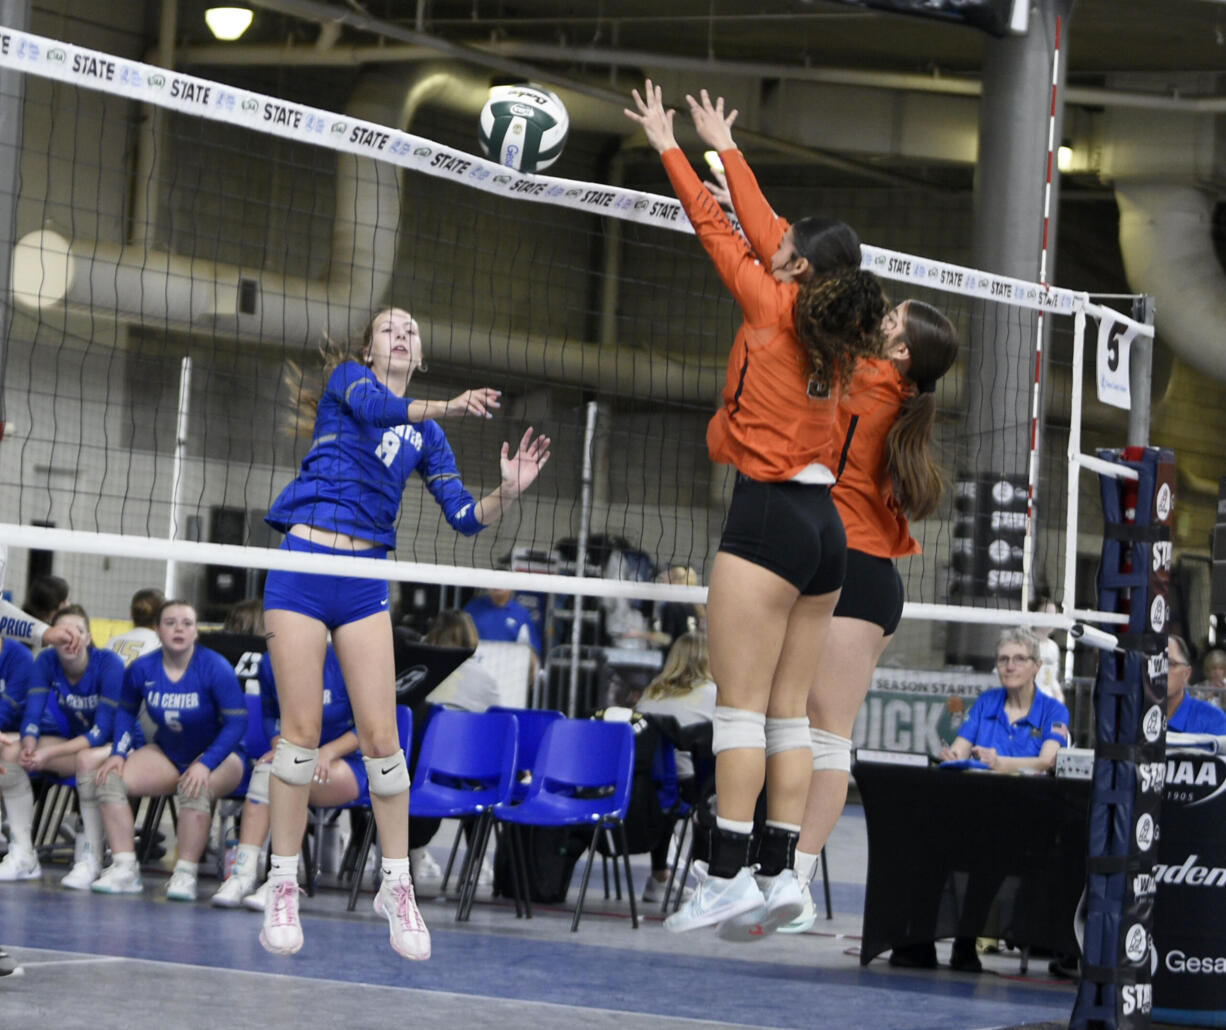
{"x": 87, "y": 789}
{"x": 201, "y": 802}
{"x": 112, "y": 790}
{"x": 293, "y": 764}
{"x": 388, "y": 775}
{"x": 257, "y": 786}
{"x": 787, "y": 735}
{"x": 737, "y": 727}
{"x": 830, "y": 751}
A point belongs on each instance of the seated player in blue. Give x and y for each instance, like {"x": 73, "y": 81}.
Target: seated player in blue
{"x": 369, "y": 439}
{"x": 1013, "y": 726}
{"x": 340, "y": 777}
{"x": 1185, "y": 713}
{"x": 498, "y": 616}
{"x": 16, "y": 665}
{"x": 65, "y": 687}
{"x": 194, "y": 698}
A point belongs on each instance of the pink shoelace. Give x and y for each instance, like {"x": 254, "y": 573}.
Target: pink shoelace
{"x": 284, "y": 903}
{"x": 406, "y": 908}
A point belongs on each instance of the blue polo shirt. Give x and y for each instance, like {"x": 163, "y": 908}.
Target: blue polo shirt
{"x": 987, "y": 726}
{"x": 512, "y": 622}
{"x": 1196, "y": 716}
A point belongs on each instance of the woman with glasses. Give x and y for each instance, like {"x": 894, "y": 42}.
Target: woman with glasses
{"x": 1014, "y": 726}
{"x": 1010, "y": 728}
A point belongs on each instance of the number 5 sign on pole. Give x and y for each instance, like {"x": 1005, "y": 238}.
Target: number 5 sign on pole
{"x": 1114, "y": 343}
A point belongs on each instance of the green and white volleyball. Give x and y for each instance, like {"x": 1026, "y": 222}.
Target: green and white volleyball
{"x": 523, "y": 127}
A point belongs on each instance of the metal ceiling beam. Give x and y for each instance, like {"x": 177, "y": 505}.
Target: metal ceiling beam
{"x": 312, "y": 10}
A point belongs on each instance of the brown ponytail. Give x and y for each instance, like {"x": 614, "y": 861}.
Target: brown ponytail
{"x": 838, "y": 319}
{"x": 303, "y": 397}
{"x": 933, "y": 344}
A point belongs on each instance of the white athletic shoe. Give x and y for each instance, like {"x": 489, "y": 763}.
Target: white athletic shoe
{"x": 715, "y": 901}
{"x": 119, "y": 879}
{"x": 257, "y": 900}
{"x": 427, "y": 873}
{"x": 781, "y": 903}
{"x": 231, "y": 893}
{"x": 653, "y": 891}
{"x": 409, "y": 935}
{"x": 181, "y": 886}
{"x": 808, "y": 914}
{"x": 282, "y": 932}
{"x": 82, "y": 874}
{"x": 20, "y": 864}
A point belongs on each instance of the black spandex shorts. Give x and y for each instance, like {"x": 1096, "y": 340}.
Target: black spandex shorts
{"x": 792, "y": 529}
{"x": 872, "y": 591}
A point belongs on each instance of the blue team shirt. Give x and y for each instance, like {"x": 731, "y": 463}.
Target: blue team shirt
{"x": 338, "y": 715}
{"x": 201, "y": 717}
{"x": 1196, "y": 716}
{"x": 16, "y": 666}
{"x": 364, "y": 451}
{"x": 987, "y": 726}
{"x": 64, "y": 709}
{"x": 506, "y": 623}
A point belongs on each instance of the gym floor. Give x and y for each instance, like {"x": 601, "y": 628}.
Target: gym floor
{"x": 112, "y": 962}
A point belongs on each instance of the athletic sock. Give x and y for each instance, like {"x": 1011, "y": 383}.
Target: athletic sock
{"x": 283, "y": 867}
{"x": 806, "y": 866}
{"x": 394, "y": 868}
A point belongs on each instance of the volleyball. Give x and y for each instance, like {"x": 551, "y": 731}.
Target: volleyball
{"x": 523, "y": 127}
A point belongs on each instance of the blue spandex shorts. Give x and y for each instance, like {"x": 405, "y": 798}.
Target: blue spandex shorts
{"x": 333, "y": 600}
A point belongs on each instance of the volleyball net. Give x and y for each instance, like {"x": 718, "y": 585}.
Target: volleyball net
{"x": 176, "y": 241}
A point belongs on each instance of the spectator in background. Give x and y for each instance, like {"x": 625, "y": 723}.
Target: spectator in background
{"x": 471, "y": 689}
{"x": 1213, "y": 687}
{"x": 1049, "y": 678}
{"x": 685, "y": 691}
{"x": 142, "y": 637}
{"x": 45, "y": 596}
{"x": 498, "y": 616}
{"x": 1184, "y": 713}
{"x": 676, "y": 618}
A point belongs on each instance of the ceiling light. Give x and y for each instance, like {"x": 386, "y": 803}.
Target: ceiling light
{"x": 228, "y": 23}
{"x": 1064, "y": 158}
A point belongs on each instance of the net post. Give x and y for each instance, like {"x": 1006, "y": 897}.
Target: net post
{"x": 585, "y": 525}
{"x": 176, "y": 479}
{"x": 1140, "y": 371}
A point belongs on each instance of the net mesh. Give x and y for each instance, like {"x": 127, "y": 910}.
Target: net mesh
{"x": 148, "y": 232}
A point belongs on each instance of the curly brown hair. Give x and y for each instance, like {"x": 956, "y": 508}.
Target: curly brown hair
{"x": 838, "y": 320}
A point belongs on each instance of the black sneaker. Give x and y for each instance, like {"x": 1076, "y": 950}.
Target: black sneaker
{"x": 7, "y": 966}
{"x": 964, "y": 958}
{"x": 915, "y": 956}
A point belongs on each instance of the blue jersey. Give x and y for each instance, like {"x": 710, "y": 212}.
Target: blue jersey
{"x": 987, "y": 725}
{"x": 64, "y": 709}
{"x": 363, "y": 453}
{"x": 338, "y": 715}
{"x": 1196, "y": 716}
{"x": 16, "y": 666}
{"x": 511, "y": 622}
{"x": 200, "y": 717}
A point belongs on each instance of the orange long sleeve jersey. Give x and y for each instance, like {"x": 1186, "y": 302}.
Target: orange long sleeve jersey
{"x": 864, "y": 493}
{"x": 769, "y": 427}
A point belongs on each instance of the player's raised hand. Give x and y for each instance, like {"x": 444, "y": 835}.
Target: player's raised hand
{"x": 482, "y": 402}
{"x": 519, "y": 471}
{"x": 653, "y": 116}
{"x": 713, "y": 125}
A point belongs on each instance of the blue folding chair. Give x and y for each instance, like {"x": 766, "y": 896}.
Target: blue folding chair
{"x": 582, "y": 777}
{"x": 466, "y": 767}
{"x": 531, "y": 724}
{"x": 355, "y": 858}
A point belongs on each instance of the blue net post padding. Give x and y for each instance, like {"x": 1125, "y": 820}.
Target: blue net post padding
{"x": 1116, "y": 992}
